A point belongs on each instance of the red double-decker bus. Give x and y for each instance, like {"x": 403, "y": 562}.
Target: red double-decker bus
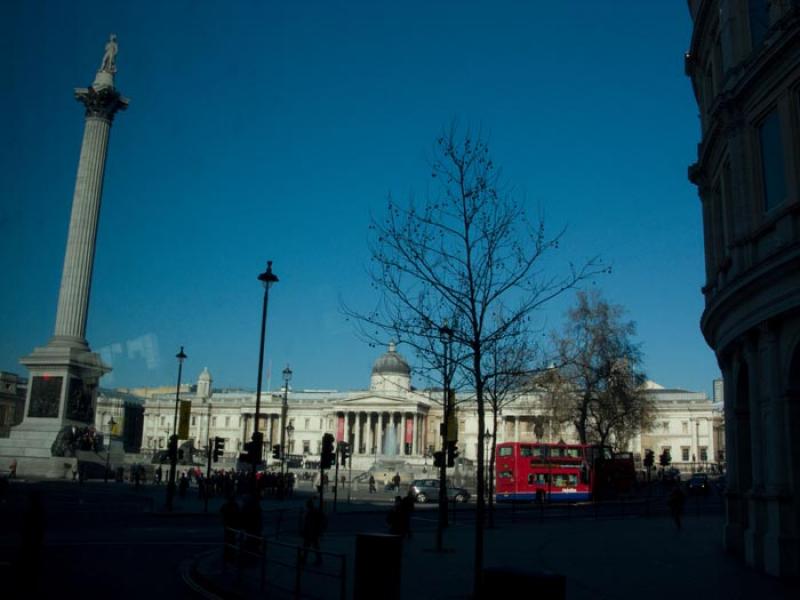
{"x": 559, "y": 472}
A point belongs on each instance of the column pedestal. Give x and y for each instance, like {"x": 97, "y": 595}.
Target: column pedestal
{"x": 62, "y": 394}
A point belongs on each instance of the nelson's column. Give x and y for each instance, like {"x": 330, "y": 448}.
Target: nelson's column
{"x": 64, "y": 374}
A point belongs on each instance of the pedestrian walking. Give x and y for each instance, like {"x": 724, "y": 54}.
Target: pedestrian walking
{"x": 372, "y": 489}
{"x": 314, "y": 522}
{"x": 159, "y": 474}
{"x": 675, "y": 502}
{"x": 406, "y": 510}
{"x": 407, "y": 505}
{"x": 395, "y": 517}
{"x": 12, "y": 469}
{"x": 183, "y": 485}
{"x": 396, "y": 481}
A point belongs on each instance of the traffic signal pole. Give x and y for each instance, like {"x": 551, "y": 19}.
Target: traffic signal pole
{"x": 208, "y": 476}
{"x": 336, "y": 482}
{"x": 447, "y": 337}
{"x": 321, "y": 484}
{"x": 326, "y": 458}
{"x": 349, "y": 477}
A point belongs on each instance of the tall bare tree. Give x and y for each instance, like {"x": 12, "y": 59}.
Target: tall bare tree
{"x": 600, "y": 378}
{"x": 509, "y": 368}
{"x": 465, "y": 256}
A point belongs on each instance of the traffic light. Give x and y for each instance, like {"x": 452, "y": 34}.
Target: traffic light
{"x": 665, "y": 459}
{"x": 172, "y": 448}
{"x": 327, "y": 457}
{"x": 276, "y": 452}
{"x": 219, "y": 447}
{"x": 344, "y": 448}
{"x": 255, "y": 448}
{"x": 438, "y": 459}
{"x": 452, "y": 453}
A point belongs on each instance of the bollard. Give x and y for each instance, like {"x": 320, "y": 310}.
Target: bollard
{"x": 502, "y": 582}
{"x": 378, "y": 566}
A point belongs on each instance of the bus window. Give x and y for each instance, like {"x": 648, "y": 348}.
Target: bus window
{"x": 565, "y": 480}
{"x": 505, "y": 474}
{"x": 538, "y": 478}
{"x": 505, "y": 450}
{"x": 526, "y": 450}
{"x": 566, "y": 452}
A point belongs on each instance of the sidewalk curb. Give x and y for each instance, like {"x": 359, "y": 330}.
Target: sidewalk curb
{"x": 203, "y": 584}
{"x": 183, "y": 514}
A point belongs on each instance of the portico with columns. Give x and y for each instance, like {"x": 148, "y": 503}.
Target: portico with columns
{"x": 377, "y": 430}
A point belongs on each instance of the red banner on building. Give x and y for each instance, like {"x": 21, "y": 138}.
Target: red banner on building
{"x": 409, "y": 430}
{"x": 340, "y": 428}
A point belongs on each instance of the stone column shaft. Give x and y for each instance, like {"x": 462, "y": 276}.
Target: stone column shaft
{"x": 379, "y": 430}
{"x": 414, "y": 434}
{"x": 76, "y": 278}
{"x": 357, "y": 449}
{"x": 73, "y": 297}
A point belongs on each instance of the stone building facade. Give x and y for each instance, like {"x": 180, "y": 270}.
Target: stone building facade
{"x": 12, "y": 401}
{"x": 120, "y": 416}
{"x": 744, "y": 67}
{"x": 393, "y": 422}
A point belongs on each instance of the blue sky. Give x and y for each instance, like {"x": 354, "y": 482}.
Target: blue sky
{"x": 272, "y": 130}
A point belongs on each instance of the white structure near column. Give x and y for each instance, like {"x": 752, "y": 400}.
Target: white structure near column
{"x": 64, "y": 374}
{"x": 376, "y": 419}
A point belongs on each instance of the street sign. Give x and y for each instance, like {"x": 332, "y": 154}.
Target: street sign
{"x": 185, "y": 413}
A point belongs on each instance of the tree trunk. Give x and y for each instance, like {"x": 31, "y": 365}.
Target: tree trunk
{"x": 492, "y": 462}
{"x": 480, "y": 509}
{"x": 580, "y": 424}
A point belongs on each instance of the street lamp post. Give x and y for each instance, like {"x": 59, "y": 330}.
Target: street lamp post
{"x": 111, "y": 423}
{"x": 486, "y": 436}
{"x": 287, "y": 376}
{"x": 446, "y": 335}
{"x": 289, "y": 436}
{"x": 267, "y": 278}
{"x": 173, "y": 442}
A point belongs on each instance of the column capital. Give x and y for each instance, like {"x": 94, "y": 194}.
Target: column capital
{"x": 101, "y": 104}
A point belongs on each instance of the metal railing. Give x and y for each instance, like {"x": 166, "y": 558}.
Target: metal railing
{"x": 282, "y": 566}
{"x": 646, "y": 506}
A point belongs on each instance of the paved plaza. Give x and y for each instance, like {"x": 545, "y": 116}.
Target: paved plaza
{"x": 604, "y": 558}
{"x": 111, "y": 536}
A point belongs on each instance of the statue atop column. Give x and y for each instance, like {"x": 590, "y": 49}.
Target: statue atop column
{"x": 109, "y": 64}
{"x": 104, "y": 80}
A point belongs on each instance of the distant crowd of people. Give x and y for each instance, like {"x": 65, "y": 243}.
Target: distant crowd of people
{"x": 225, "y": 483}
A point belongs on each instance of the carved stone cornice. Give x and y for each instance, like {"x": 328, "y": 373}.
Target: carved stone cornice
{"x": 101, "y": 104}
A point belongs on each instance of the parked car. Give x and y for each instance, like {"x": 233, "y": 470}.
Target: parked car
{"x": 672, "y": 474}
{"x": 425, "y": 490}
{"x": 698, "y": 484}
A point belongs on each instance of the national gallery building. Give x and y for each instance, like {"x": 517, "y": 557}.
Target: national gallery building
{"x": 392, "y": 421}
